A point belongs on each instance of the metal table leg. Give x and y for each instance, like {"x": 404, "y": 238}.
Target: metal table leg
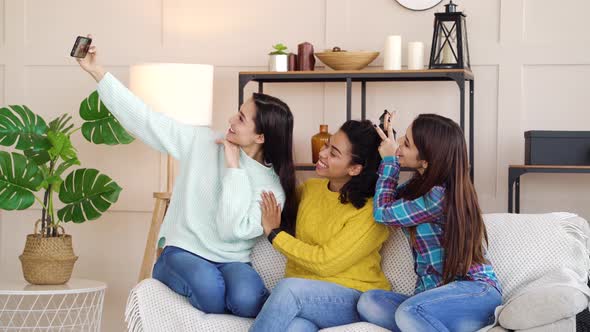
{"x": 514, "y": 175}
{"x": 363, "y": 100}
{"x": 242, "y": 82}
{"x": 460, "y": 80}
{"x": 517, "y": 195}
{"x": 348, "y": 98}
{"x": 510, "y": 191}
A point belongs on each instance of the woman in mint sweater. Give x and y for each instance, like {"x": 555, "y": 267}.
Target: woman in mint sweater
{"x": 214, "y": 217}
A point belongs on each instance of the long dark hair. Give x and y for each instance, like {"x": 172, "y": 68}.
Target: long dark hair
{"x": 440, "y": 142}
{"x": 275, "y": 120}
{"x": 365, "y": 152}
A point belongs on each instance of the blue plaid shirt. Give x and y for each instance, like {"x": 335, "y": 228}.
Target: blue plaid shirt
{"x": 426, "y": 213}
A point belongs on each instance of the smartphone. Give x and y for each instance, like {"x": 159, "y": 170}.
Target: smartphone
{"x": 382, "y": 122}
{"x": 81, "y": 46}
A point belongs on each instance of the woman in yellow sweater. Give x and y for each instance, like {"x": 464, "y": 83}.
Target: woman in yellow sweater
{"x": 334, "y": 255}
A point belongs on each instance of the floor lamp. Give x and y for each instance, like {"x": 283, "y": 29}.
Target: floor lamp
{"x": 183, "y": 92}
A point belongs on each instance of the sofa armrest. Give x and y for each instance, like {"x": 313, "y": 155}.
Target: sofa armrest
{"x": 542, "y": 306}
{"x": 564, "y": 325}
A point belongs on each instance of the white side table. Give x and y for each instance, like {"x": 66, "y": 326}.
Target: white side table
{"x": 75, "y": 306}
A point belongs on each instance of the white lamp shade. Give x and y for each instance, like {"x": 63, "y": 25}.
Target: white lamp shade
{"x": 182, "y": 91}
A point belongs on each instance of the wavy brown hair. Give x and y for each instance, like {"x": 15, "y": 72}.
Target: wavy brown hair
{"x": 275, "y": 120}
{"x": 441, "y": 142}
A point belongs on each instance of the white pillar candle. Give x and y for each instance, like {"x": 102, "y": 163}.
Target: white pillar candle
{"x": 415, "y": 56}
{"x": 447, "y": 55}
{"x": 392, "y": 54}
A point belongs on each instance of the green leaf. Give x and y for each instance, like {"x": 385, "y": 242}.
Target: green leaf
{"x": 62, "y": 146}
{"x": 54, "y": 181}
{"x": 19, "y": 178}
{"x": 65, "y": 165}
{"x": 39, "y": 156}
{"x": 59, "y": 124}
{"x": 87, "y": 194}
{"x": 19, "y": 124}
{"x": 279, "y": 49}
{"x": 101, "y": 127}
{"x": 44, "y": 170}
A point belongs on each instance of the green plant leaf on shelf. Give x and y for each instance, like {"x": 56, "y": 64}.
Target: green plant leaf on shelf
{"x": 61, "y": 146}
{"x": 19, "y": 124}
{"x": 87, "y": 194}
{"x": 101, "y": 127}
{"x": 19, "y": 178}
{"x": 280, "y": 49}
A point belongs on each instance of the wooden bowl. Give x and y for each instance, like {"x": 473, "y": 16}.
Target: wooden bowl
{"x": 347, "y": 60}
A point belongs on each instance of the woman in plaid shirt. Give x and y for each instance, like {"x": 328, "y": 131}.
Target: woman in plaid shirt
{"x": 457, "y": 289}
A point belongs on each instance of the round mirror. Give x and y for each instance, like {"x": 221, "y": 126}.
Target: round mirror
{"x": 419, "y": 4}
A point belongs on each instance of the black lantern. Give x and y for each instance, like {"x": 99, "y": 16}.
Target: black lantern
{"x": 450, "y": 49}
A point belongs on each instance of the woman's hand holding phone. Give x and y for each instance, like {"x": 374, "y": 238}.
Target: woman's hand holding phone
{"x": 90, "y": 63}
{"x": 388, "y": 145}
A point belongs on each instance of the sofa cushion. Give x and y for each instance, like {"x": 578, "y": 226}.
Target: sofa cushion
{"x": 268, "y": 262}
{"x": 526, "y": 247}
{"x": 398, "y": 264}
{"x": 542, "y": 306}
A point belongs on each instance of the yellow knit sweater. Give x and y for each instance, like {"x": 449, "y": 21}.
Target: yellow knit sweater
{"x": 335, "y": 242}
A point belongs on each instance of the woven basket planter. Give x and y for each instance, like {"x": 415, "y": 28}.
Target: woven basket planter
{"x": 48, "y": 260}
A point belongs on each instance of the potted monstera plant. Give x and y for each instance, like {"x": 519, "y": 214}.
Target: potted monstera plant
{"x": 42, "y": 165}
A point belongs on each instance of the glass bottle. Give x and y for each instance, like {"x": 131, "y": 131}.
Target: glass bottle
{"x": 317, "y": 141}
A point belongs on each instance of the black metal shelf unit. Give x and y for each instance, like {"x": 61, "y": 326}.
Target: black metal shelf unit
{"x": 460, "y": 76}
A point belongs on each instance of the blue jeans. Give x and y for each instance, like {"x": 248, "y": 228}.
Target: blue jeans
{"x": 307, "y": 305}
{"x": 458, "y": 306}
{"x": 211, "y": 287}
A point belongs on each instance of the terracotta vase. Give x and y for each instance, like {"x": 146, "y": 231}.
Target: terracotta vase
{"x": 317, "y": 141}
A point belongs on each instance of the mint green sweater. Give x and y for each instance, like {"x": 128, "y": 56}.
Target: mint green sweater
{"x": 214, "y": 211}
